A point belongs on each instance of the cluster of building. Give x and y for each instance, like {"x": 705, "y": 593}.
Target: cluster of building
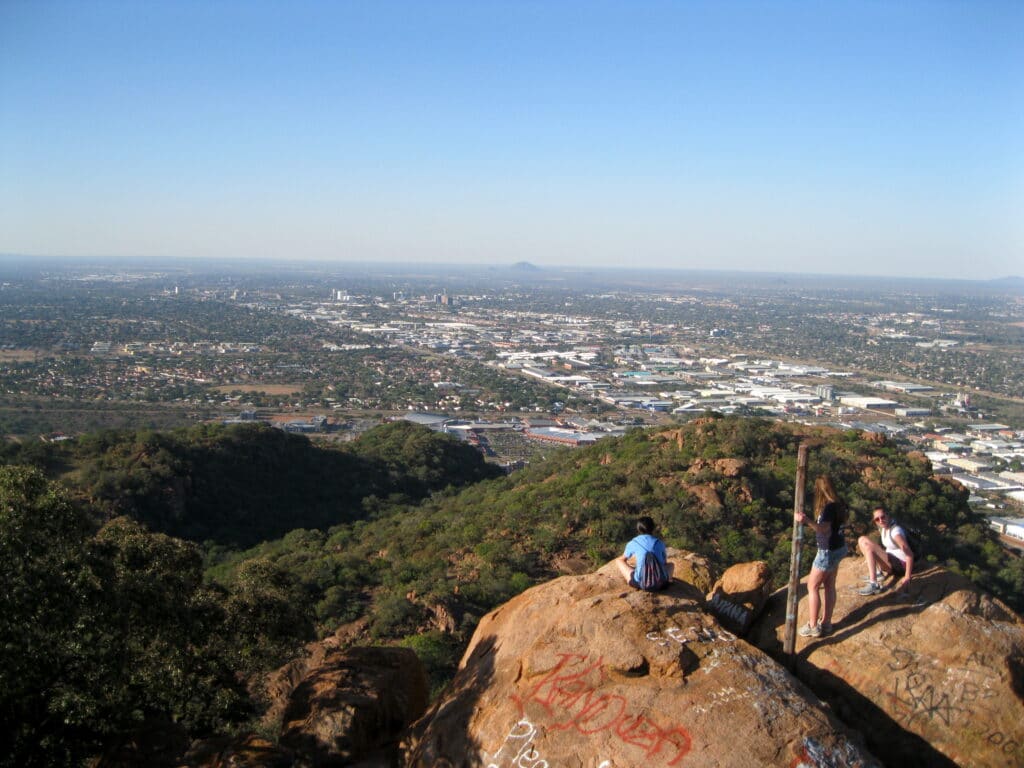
{"x": 178, "y": 348}
{"x": 664, "y": 382}
{"x": 638, "y": 367}
{"x": 567, "y": 432}
{"x": 988, "y": 459}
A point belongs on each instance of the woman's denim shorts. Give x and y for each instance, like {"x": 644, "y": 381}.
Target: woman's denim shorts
{"x": 828, "y": 559}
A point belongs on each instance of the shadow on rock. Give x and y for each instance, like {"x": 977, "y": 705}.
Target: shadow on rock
{"x": 931, "y": 676}
{"x": 446, "y": 723}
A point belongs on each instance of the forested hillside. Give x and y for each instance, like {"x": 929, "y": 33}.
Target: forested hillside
{"x": 243, "y": 484}
{"x": 112, "y": 619}
{"x": 722, "y": 487}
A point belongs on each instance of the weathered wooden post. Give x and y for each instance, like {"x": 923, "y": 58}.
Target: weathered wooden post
{"x": 793, "y": 592}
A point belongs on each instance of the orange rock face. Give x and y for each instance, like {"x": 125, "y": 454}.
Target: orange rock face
{"x": 585, "y": 671}
{"x": 932, "y": 677}
{"x": 738, "y": 598}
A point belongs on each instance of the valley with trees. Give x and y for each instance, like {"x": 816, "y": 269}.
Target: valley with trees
{"x": 156, "y": 578}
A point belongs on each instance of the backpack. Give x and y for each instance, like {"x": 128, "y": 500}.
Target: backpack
{"x": 652, "y": 573}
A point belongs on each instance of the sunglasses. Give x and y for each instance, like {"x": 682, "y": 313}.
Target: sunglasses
{"x": 880, "y": 519}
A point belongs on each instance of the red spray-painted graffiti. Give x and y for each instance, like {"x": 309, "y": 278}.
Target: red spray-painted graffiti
{"x": 568, "y": 694}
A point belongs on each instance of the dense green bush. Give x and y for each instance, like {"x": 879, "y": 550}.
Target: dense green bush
{"x": 105, "y": 628}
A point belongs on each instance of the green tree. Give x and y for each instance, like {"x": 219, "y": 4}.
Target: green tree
{"x": 100, "y": 631}
{"x": 47, "y": 619}
{"x": 268, "y": 613}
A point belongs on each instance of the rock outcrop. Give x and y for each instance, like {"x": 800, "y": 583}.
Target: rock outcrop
{"x": 585, "y": 671}
{"x": 354, "y": 703}
{"x": 691, "y": 568}
{"x": 336, "y": 707}
{"x": 934, "y": 677}
{"x": 234, "y": 751}
{"x": 738, "y": 598}
{"x": 709, "y": 499}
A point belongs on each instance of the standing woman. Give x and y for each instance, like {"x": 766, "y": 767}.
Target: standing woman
{"x": 829, "y": 518}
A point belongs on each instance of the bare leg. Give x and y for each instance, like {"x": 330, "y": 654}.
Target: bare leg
{"x": 624, "y": 568}
{"x": 874, "y": 555}
{"x": 829, "y": 596}
{"x": 814, "y": 582}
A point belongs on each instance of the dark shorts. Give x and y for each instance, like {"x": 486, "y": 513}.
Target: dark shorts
{"x": 634, "y": 585}
{"x": 898, "y": 566}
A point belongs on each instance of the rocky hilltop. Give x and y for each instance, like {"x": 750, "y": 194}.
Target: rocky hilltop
{"x": 932, "y": 677}
{"x": 584, "y": 671}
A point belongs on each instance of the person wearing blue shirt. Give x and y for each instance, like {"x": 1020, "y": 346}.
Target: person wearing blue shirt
{"x": 645, "y": 541}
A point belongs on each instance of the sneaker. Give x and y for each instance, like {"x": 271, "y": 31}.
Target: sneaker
{"x": 825, "y": 628}
{"x": 878, "y": 575}
{"x": 808, "y": 631}
{"x": 871, "y": 588}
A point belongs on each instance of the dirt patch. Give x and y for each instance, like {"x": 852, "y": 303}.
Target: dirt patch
{"x": 20, "y": 354}
{"x": 270, "y": 389}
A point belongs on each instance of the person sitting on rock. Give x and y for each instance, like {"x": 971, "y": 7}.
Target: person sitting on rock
{"x": 893, "y": 557}
{"x": 829, "y": 517}
{"x": 645, "y": 544}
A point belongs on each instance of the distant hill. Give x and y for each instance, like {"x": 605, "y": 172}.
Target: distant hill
{"x": 1011, "y": 281}
{"x": 525, "y": 266}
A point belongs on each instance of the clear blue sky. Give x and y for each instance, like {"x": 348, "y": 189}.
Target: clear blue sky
{"x": 882, "y": 138}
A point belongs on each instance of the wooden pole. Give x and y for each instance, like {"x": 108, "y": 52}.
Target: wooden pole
{"x": 793, "y": 592}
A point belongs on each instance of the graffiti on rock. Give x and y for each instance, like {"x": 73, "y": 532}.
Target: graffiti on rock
{"x": 571, "y": 699}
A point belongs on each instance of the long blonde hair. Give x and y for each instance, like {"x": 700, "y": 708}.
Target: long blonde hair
{"x": 825, "y": 494}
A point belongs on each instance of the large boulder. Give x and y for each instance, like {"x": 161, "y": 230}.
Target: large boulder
{"x": 934, "y": 677}
{"x": 354, "y": 704}
{"x": 738, "y": 598}
{"x": 246, "y": 750}
{"x": 276, "y": 688}
{"x": 691, "y": 568}
{"x": 585, "y": 671}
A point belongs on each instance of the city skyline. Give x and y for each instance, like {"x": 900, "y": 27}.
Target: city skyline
{"x": 853, "y": 138}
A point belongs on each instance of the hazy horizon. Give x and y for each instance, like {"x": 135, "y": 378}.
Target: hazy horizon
{"x": 524, "y": 270}
{"x": 847, "y": 139}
